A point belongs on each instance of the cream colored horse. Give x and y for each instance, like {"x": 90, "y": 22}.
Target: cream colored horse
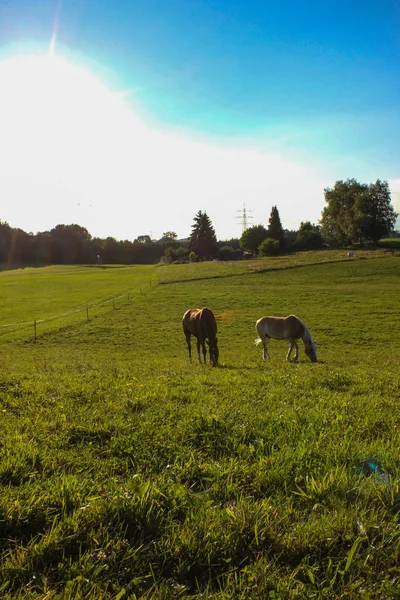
{"x": 201, "y": 323}
{"x": 285, "y": 328}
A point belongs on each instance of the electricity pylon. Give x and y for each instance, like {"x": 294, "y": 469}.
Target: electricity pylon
{"x": 244, "y": 217}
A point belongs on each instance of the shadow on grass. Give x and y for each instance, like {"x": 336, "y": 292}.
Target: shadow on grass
{"x": 237, "y": 367}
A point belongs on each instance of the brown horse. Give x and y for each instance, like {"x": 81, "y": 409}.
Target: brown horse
{"x": 286, "y": 328}
{"x": 201, "y": 323}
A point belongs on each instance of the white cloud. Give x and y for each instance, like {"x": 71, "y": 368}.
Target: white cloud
{"x": 73, "y": 152}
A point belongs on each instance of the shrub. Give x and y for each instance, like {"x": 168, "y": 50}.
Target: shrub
{"x": 390, "y": 243}
{"x": 309, "y": 240}
{"x": 229, "y": 253}
{"x": 269, "y": 247}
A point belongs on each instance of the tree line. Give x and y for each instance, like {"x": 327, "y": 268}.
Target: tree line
{"x": 354, "y": 213}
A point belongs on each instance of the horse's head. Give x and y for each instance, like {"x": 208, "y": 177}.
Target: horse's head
{"x": 311, "y": 351}
{"x": 214, "y": 352}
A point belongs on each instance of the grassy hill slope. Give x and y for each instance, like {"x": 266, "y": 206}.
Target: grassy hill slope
{"x": 128, "y": 472}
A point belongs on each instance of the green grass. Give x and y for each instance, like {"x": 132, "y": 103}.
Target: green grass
{"x": 127, "y": 472}
{"x": 58, "y": 296}
{"x": 390, "y": 243}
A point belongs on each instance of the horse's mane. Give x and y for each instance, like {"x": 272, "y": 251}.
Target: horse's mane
{"x": 307, "y": 338}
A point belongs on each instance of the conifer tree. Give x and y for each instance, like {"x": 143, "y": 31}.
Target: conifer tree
{"x": 275, "y": 229}
{"x": 203, "y": 240}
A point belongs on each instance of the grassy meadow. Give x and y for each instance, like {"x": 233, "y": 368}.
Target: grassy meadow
{"x": 126, "y": 472}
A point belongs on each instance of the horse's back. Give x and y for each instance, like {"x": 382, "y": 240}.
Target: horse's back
{"x": 200, "y": 321}
{"x": 271, "y": 327}
{"x": 294, "y": 326}
{"x": 190, "y": 314}
{"x": 280, "y": 328}
{"x": 190, "y": 320}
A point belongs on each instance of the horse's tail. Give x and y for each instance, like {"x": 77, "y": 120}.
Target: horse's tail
{"x": 257, "y": 341}
{"x": 224, "y": 316}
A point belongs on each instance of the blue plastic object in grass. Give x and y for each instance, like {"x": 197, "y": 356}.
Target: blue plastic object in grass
{"x": 374, "y": 468}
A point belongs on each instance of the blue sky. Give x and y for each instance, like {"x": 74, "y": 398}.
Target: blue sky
{"x": 262, "y": 102}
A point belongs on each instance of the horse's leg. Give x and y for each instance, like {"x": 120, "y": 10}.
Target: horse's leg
{"x": 198, "y": 349}
{"x": 265, "y": 351}
{"x": 204, "y": 351}
{"x": 188, "y": 336}
{"x": 294, "y": 345}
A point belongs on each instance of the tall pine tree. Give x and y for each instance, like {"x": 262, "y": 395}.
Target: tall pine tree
{"x": 203, "y": 240}
{"x": 275, "y": 229}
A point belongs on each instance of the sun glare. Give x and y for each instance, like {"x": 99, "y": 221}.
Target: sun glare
{"x": 68, "y": 142}
{"x": 56, "y": 115}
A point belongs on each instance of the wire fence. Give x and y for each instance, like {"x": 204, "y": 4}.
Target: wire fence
{"x": 14, "y": 329}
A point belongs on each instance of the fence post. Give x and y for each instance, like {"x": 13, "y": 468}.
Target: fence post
{"x": 34, "y": 331}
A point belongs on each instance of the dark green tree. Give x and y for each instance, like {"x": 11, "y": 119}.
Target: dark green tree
{"x": 169, "y": 236}
{"x": 172, "y": 254}
{"x": 338, "y": 217}
{"x": 70, "y": 244}
{"x": 143, "y": 239}
{"x": 169, "y": 240}
{"x": 357, "y": 211}
{"x": 374, "y": 214}
{"x": 275, "y": 229}
{"x": 233, "y": 243}
{"x": 227, "y": 253}
{"x": 203, "y": 240}
{"x": 6, "y": 236}
{"x": 252, "y": 238}
{"x": 290, "y": 238}
{"x": 111, "y": 251}
{"x": 308, "y": 237}
{"x": 16, "y": 246}
{"x": 42, "y": 248}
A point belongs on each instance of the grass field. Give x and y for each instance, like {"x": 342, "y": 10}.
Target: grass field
{"x": 127, "y": 472}
{"x": 390, "y": 243}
